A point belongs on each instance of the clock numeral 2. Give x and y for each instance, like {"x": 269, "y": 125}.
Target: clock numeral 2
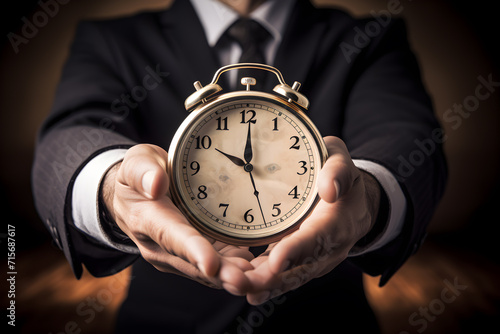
{"x": 295, "y": 145}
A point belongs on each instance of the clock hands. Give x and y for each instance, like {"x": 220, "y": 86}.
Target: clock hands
{"x": 248, "y": 167}
{"x": 235, "y": 160}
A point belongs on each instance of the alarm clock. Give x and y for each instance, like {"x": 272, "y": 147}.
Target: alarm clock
{"x": 244, "y": 164}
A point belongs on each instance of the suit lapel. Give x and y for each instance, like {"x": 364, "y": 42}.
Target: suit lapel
{"x": 301, "y": 39}
{"x": 186, "y": 42}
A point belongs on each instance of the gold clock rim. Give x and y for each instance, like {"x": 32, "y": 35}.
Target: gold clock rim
{"x": 206, "y": 108}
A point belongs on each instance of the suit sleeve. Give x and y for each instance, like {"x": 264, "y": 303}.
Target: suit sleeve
{"x": 389, "y": 120}
{"x": 80, "y": 126}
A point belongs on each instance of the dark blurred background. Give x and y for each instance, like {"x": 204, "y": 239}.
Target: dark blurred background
{"x": 455, "y": 41}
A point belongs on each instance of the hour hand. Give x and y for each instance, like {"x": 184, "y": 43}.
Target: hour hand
{"x": 235, "y": 160}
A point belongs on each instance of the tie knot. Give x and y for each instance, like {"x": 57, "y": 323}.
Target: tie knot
{"x": 248, "y": 33}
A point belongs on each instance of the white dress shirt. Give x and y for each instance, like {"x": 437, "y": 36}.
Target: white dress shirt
{"x": 215, "y": 18}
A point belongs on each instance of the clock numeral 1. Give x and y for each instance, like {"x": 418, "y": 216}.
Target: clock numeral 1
{"x": 225, "y": 206}
{"x": 278, "y": 210}
{"x": 203, "y": 142}
{"x": 251, "y": 119}
{"x": 202, "y": 192}
{"x": 295, "y": 145}
{"x": 222, "y": 123}
{"x": 294, "y": 193}
{"x": 248, "y": 216}
{"x": 275, "y": 122}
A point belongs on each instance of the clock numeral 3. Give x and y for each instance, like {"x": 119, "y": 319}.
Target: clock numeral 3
{"x": 304, "y": 168}
{"x": 202, "y": 192}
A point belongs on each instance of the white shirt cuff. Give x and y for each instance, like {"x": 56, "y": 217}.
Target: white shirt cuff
{"x": 397, "y": 204}
{"x": 85, "y": 208}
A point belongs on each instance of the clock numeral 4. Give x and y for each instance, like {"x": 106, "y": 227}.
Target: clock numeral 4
{"x": 294, "y": 193}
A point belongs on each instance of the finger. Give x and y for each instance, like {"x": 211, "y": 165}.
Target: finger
{"x": 338, "y": 173}
{"x": 144, "y": 170}
{"x": 165, "y": 225}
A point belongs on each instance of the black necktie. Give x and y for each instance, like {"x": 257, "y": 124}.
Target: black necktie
{"x": 251, "y": 36}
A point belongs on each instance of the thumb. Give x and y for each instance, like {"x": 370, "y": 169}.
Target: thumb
{"x": 144, "y": 170}
{"x": 338, "y": 174}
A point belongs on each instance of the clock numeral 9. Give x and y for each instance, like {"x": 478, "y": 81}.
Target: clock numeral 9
{"x": 203, "y": 142}
{"x": 195, "y": 166}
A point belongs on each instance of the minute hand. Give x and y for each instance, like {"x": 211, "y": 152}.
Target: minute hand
{"x": 248, "y": 155}
{"x": 256, "y": 193}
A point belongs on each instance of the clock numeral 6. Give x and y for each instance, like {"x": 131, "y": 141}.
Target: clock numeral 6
{"x": 248, "y": 216}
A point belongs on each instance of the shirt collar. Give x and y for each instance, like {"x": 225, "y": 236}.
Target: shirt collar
{"x": 216, "y": 17}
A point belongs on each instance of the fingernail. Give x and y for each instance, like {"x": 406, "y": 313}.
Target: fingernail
{"x": 337, "y": 189}
{"x": 147, "y": 182}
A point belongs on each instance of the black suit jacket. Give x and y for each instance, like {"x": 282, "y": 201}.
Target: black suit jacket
{"x": 365, "y": 89}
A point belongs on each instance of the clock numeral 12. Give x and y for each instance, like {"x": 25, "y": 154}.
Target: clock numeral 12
{"x": 243, "y": 116}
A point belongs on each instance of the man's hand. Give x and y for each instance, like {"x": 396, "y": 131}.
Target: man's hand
{"x": 136, "y": 194}
{"x": 346, "y": 212}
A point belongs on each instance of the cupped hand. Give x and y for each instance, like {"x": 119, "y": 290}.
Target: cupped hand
{"x": 346, "y": 212}
{"x": 136, "y": 194}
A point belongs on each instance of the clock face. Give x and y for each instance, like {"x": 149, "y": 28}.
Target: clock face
{"x": 245, "y": 170}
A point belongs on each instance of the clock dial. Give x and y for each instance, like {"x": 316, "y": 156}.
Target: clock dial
{"x": 247, "y": 170}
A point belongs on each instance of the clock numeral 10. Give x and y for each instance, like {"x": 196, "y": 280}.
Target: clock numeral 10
{"x": 204, "y": 142}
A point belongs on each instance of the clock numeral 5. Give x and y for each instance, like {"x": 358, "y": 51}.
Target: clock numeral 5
{"x": 278, "y": 210}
